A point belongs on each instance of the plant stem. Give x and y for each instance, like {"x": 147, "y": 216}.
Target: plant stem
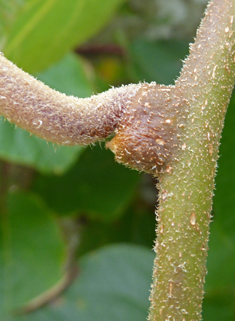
{"x": 172, "y": 132}
{"x": 61, "y": 119}
{"x": 186, "y": 189}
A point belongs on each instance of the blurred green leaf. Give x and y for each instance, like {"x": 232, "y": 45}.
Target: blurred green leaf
{"x": 113, "y": 284}
{"x": 224, "y": 207}
{"x": 219, "y": 306}
{"x": 221, "y": 259}
{"x": 8, "y": 12}
{"x": 46, "y": 29}
{"x": 68, "y": 76}
{"x": 136, "y": 226}
{"x": 31, "y": 252}
{"x": 95, "y": 185}
{"x": 158, "y": 61}
{"x": 219, "y": 302}
{"x": 16, "y": 145}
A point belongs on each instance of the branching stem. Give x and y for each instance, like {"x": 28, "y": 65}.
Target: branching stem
{"x": 172, "y": 132}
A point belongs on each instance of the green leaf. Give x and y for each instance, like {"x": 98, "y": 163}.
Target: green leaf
{"x": 31, "y": 252}
{"x": 220, "y": 283}
{"x": 219, "y": 306}
{"x": 219, "y": 301}
{"x": 19, "y": 147}
{"x": 95, "y": 185}
{"x": 8, "y": 12}
{"x": 224, "y": 209}
{"x": 136, "y": 226}
{"x": 113, "y": 284}
{"x": 69, "y": 76}
{"x": 158, "y": 61}
{"x": 16, "y": 145}
{"x": 221, "y": 259}
{"x": 46, "y": 29}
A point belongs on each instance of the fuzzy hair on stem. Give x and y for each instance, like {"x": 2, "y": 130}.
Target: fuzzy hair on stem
{"x": 145, "y": 117}
{"x": 58, "y": 118}
{"x": 185, "y": 192}
{"x": 172, "y": 132}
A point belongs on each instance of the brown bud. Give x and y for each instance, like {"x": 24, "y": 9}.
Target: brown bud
{"x": 148, "y": 133}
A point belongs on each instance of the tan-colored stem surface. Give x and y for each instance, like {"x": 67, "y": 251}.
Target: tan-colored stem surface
{"x": 56, "y": 117}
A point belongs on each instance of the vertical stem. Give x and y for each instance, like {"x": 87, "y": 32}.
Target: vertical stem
{"x": 186, "y": 191}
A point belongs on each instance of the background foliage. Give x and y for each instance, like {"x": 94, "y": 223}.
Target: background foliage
{"x": 77, "y": 229}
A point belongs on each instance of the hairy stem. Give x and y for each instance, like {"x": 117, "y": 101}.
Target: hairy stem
{"x": 56, "y": 117}
{"x": 206, "y": 81}
{"x": 172, "y": 132}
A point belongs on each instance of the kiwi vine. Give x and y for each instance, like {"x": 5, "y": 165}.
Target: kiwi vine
{"x": 172, "y": 132}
